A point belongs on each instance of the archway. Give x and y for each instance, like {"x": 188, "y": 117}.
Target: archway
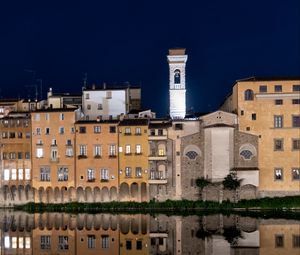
{"x": 144, "y": 193}
{"x": 105, "y": 194}
{"x": 113, "y": 194}
{"x": 124, "y": 192}
{"x": 89, "y": 195}
{"x": 49, "y": 195}
{"x": 97, "y": 194}
{"x": 134, "y": 188}
{"x": 80, "y": 194}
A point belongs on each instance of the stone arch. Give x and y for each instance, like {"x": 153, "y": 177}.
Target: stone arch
{"x": 104, "y": 194}
{"x": 248, "y": 191}
{"x": 41, "y": 195}
{"x": 6, "y": 195}
{"x": 21, "y": 194}
{"x": 14, "y": 193}
{"x": 247, "y": 151}
{"x": 124, "y": 226}
{"x": 80, "y": 221}
{"x": 191, "y": 152}
{"x": 114, "y": 222}
{"x": 80, "y": 194}
{"x": 89, "y": 198}
{"x": 144, "y": 193}
{"x": 105, "y": 222}
{"x": 97, "y": 194}
{"x": 134, "y": 190}
{"x": 113, "y": 194}
{"x": 64, "y": 195}
{"x": 72, "y": 194}
{"x": 57, "y": 195}
{"x": 57, "y": 221}
{"x": 49, "y": 195}
{"x": 89, "y": 221}
{"x": 134, "y": 226}
{"x": 177, "y": 78}
{"x": 144, "y": 221}
{"x": 29, "y": 192}
{"x": 124, "y": 192}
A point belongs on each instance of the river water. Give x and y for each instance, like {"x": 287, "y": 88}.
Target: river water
{"x": 89, "y": 234}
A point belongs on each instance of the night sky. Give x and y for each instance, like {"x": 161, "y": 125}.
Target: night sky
{"x": 128, "y": 40}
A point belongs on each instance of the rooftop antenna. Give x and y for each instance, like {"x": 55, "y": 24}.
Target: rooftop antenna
{"x": 34, "y": 85}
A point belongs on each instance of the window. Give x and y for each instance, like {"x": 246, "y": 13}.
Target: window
{"x": 20, "y": 155}
{"x": 178, "y": 126}
{"x": 61, "y": 130}
{"x": 278, "y": 144}
{"x": 54, "y": 154}
{"x": 63, "y": 242}
{"x": 91, "y": 174}
{"x": 112, "y": 150}
{"x": 278, "y": 121}
{"x": 82, "y": 150}
{"x": 21, "y": 242}
{"x": 39, "y": 152}
{"x": 278, "y": 174}
{"x": 14, "y": 174}
{"x": 69, "y": 142}
{"x": 37, "y": 117}
{"x": 69, "y": 152}
{"x": 296, "y": 120}
{"x": 6, "y": 175}
{"x": 20, "y": 174}
{"x": 61, "y": 116}
{"x": 104, "y": 174}
{"x": 12, "y": 155}
{"x": 296, "y": 88}
{"x": 138, "y": 149}
{"x": 45, "y": 242}
{"x": 97, "y": 129}
{"x": 62, "y": 174}
{"x": 279, "y": 241}
{"x": 127, "y": 131}
{"x": 278, "y": 88}
{"x": 127, "y": 149}
{"x": 128, "y": 245}
{"x": 47, "y": 131}
{"x": 253, "y": 116}
{"x": 20, "y": 135}
{"x": 105, "y": 241}
{"x": 47, "y": 117}
{"x": 296, "y": 241}
{"x": 160, "y": 132}
{"x": 296, "y": 144}
{"x": 14, "y": 242}
{"x": 127, "y": 171}
{"x": 27, "y": 155}
{"x": 138, "y": 172}
{"x": 139, "y": 244}
{"x": 108, "y": 94}
{"x": 82, "y": 130}
{"x": 263, "y": 89}
{"x": 296, "y": 101}
{"x": 4, "y": 135}
{"x": 112, "y": 129}
{"x": 152, "y": 132}
{"x": 161, "y": 151}
{"x": 87, "y": 96}
{"x": 138, "y": 131}
{"x": 27, "y": 242}
{"x": 89, "y": 107}
{"x": 72, "y": 130}
{"x": 248, "y": 95}
{"x": 27, "y": 174}
{"x": 296, "y": 174}
{"x": 278, "y": 102}
{"x": 191, "y": 154}
{"x": 38, "y": 131}
{"x": 176, "y": 77}
{"x": 99, "y": 107}
{"x": 97, "y": 151}
{"x": 242, "y": 113}
{"x": 91, "y": 241}
{"x": 45, "y": 174}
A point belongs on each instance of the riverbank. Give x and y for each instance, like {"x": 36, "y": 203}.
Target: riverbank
{"x": 291, "y": 203}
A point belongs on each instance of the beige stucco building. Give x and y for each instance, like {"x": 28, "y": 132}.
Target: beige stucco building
{"x": 270, "y": 109}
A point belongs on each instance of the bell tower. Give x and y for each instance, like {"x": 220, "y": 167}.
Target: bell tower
{"x": 177, "y": 60}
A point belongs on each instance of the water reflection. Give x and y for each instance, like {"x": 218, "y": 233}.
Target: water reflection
{"x": 88, "y": 234}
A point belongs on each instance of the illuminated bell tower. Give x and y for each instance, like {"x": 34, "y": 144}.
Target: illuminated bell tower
{"x": 177, "y": 60}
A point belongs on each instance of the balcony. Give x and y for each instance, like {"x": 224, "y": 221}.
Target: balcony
{"x": 157, "y": 181}
{"x": 157, "y": 177}
{"x": 157, "y": 137}
{"x": 54, "y": 160}
{"x": 157, "y": 157}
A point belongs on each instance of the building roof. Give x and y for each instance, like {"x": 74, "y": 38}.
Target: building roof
{"x": 97, "y": 122}
{"x": 56, "y": 110}
{"x": 274, "y": 78}
{"x": 111, "y": 87}
{"x": 160, "y": 124}
{"x": 134, "y": 122}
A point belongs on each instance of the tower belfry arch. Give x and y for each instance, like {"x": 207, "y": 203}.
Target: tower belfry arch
{"x": 177, "y": 90}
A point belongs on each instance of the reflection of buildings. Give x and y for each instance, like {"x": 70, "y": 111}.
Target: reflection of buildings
{"x": 54, "y": 233}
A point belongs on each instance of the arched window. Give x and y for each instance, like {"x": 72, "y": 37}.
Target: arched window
{"x": 247, "y": 151}
{"x": 249, "y": 95}
{"x": 191, "y": 154}
{"x": 177, "y": 76}
{"x": 246, "y": 154}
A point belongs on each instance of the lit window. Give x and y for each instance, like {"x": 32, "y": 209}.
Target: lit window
{"x": 104, "y": 174}
{"x": 20, "y": 174}
{"x": 278, "y": 175}
{"x": 27, "y": 243}
{"x": 127, "y": 131}
{"x": 7, "y": 242}
{"x": 138, "y": 172}
{"x": 21, "y": 242}
{"x": 14, "y": 242}
{"x": 278, "y": 121}
{"x": 127, "y": 149}
{"x": 97, "y": 151}
{"x": 91, "y": 174}
{"x": 127, "y": 171}
{"x": 296, "y": 174}
{"x": 27, "y": 174}
{"x": 138, "y": 149}
{"x": 62, "y": 174}
{"x": 39, "y": 152}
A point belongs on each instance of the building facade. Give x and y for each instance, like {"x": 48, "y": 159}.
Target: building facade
{"x": 270, "y": 109}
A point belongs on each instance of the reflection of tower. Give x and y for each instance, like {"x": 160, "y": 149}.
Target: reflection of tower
{"x": 177, "y": 60}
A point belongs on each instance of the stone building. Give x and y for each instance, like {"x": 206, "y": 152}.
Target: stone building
{"x": 270, "y": 109}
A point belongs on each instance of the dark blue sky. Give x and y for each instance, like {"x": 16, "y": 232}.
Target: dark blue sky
{"x": 127, "y": 40}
